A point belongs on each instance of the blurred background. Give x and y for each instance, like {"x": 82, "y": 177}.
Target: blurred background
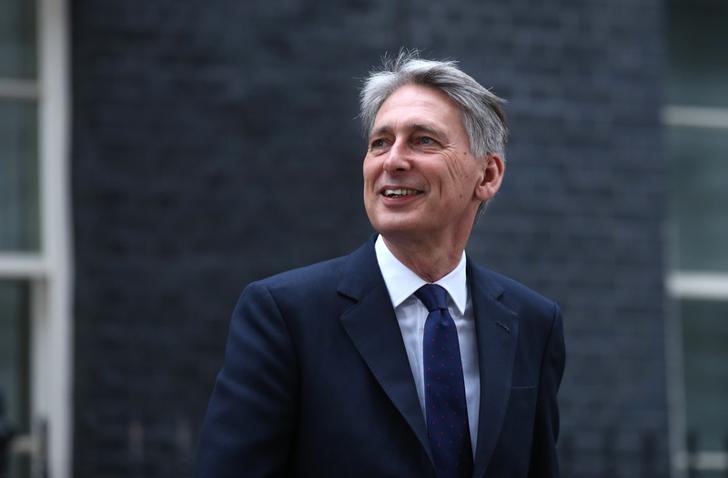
{"x": 157, "y": 156}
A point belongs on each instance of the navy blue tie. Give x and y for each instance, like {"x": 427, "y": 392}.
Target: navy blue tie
{"x": 447, "y": 412}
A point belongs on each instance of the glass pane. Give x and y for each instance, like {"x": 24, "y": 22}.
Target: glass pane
{"x": 705, "y": 348}
{"x": 698, "y": 198}
{"x": 14, "y": 365}
{"x": 697, "y": 33}
{"x": 19, "y": 215}
{"x": 17, "y": 39}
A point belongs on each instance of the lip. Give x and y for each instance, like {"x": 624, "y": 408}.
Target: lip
{"x": 399, "y": 200}
{"x": 398, "y": 186}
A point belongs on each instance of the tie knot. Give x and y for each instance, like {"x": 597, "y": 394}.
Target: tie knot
{"x": 433, "y": 296}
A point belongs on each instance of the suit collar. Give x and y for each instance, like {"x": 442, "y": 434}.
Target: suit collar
{"x": 360, "y": 272}
{"x": 372, "y": 326}
{"x": 497, "y": 331}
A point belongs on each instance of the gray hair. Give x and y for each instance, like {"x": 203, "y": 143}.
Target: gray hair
{"x": 483, "y": 118}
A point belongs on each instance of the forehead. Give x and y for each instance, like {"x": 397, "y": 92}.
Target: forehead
{"x": 418, "y": 104}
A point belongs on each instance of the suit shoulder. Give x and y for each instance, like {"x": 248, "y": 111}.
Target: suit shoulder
{"x": 312, "y": 276}
{"x": 517, "y": 295}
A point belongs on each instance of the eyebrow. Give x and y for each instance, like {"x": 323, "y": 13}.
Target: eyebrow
{"x": 415, "y": 127}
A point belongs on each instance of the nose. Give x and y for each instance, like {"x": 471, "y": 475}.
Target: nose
{"x": 397, "y": 158}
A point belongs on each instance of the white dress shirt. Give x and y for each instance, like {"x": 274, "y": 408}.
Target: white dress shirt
{"x": 411, "y": 314}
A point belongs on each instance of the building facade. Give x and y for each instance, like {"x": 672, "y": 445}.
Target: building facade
{"x": 155, "y": 157}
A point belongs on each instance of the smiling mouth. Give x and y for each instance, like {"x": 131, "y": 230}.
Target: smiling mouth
{"x": 400, "y": 192}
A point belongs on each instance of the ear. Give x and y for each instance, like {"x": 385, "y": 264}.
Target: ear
{"x": 493, "y": 171}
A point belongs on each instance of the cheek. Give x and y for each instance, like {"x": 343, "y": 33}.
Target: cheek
{"x": 462, "y": 174}
{"x": 457, "y": 169}
{"x": 369, "y": 171}
{"x": 366, "y": 168}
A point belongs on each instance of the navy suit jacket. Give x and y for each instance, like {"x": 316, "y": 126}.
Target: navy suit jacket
{"x": 316, "y": 381}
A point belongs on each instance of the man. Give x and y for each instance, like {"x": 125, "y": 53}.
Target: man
{"x": 402, "y": 359}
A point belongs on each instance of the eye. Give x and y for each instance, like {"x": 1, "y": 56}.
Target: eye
{"x": 425, "y": 141}
{"x": 377, "y": 143}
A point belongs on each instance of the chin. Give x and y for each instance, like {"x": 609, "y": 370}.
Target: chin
{"x": 392, "y": 224}
{"x": 394, "y": 228}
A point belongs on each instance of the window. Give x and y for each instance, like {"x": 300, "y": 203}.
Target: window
{"x": 34, "y": 257}
{"x": 696, "y": 120}
{"x": 14, "y": 366}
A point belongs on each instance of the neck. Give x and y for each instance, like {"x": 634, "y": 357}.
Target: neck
{"x": 428, "y": 261}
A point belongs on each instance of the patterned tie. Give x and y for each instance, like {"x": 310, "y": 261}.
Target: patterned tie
{"x": 447, "y": 413}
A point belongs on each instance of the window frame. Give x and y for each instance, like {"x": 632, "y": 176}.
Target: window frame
{"x": 695, "y": 285}
{"x": 48, "y": 271}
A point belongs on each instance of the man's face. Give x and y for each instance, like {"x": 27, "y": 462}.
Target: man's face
{"x": 421, "y": 181}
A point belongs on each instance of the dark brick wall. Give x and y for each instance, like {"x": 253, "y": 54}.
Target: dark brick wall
{"x": 215, "y": 143}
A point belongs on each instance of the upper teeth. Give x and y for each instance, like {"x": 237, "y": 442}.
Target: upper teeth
{"x": 399, "y": 192}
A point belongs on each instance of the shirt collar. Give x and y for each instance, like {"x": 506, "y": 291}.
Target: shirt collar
{"x": 401, "y": 282}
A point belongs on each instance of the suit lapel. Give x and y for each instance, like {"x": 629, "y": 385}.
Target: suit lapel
{"x": 497, "y": 332}
{"x": 373, "y": 328}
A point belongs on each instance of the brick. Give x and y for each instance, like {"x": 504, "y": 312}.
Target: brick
{"x": 215, "y": 143}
